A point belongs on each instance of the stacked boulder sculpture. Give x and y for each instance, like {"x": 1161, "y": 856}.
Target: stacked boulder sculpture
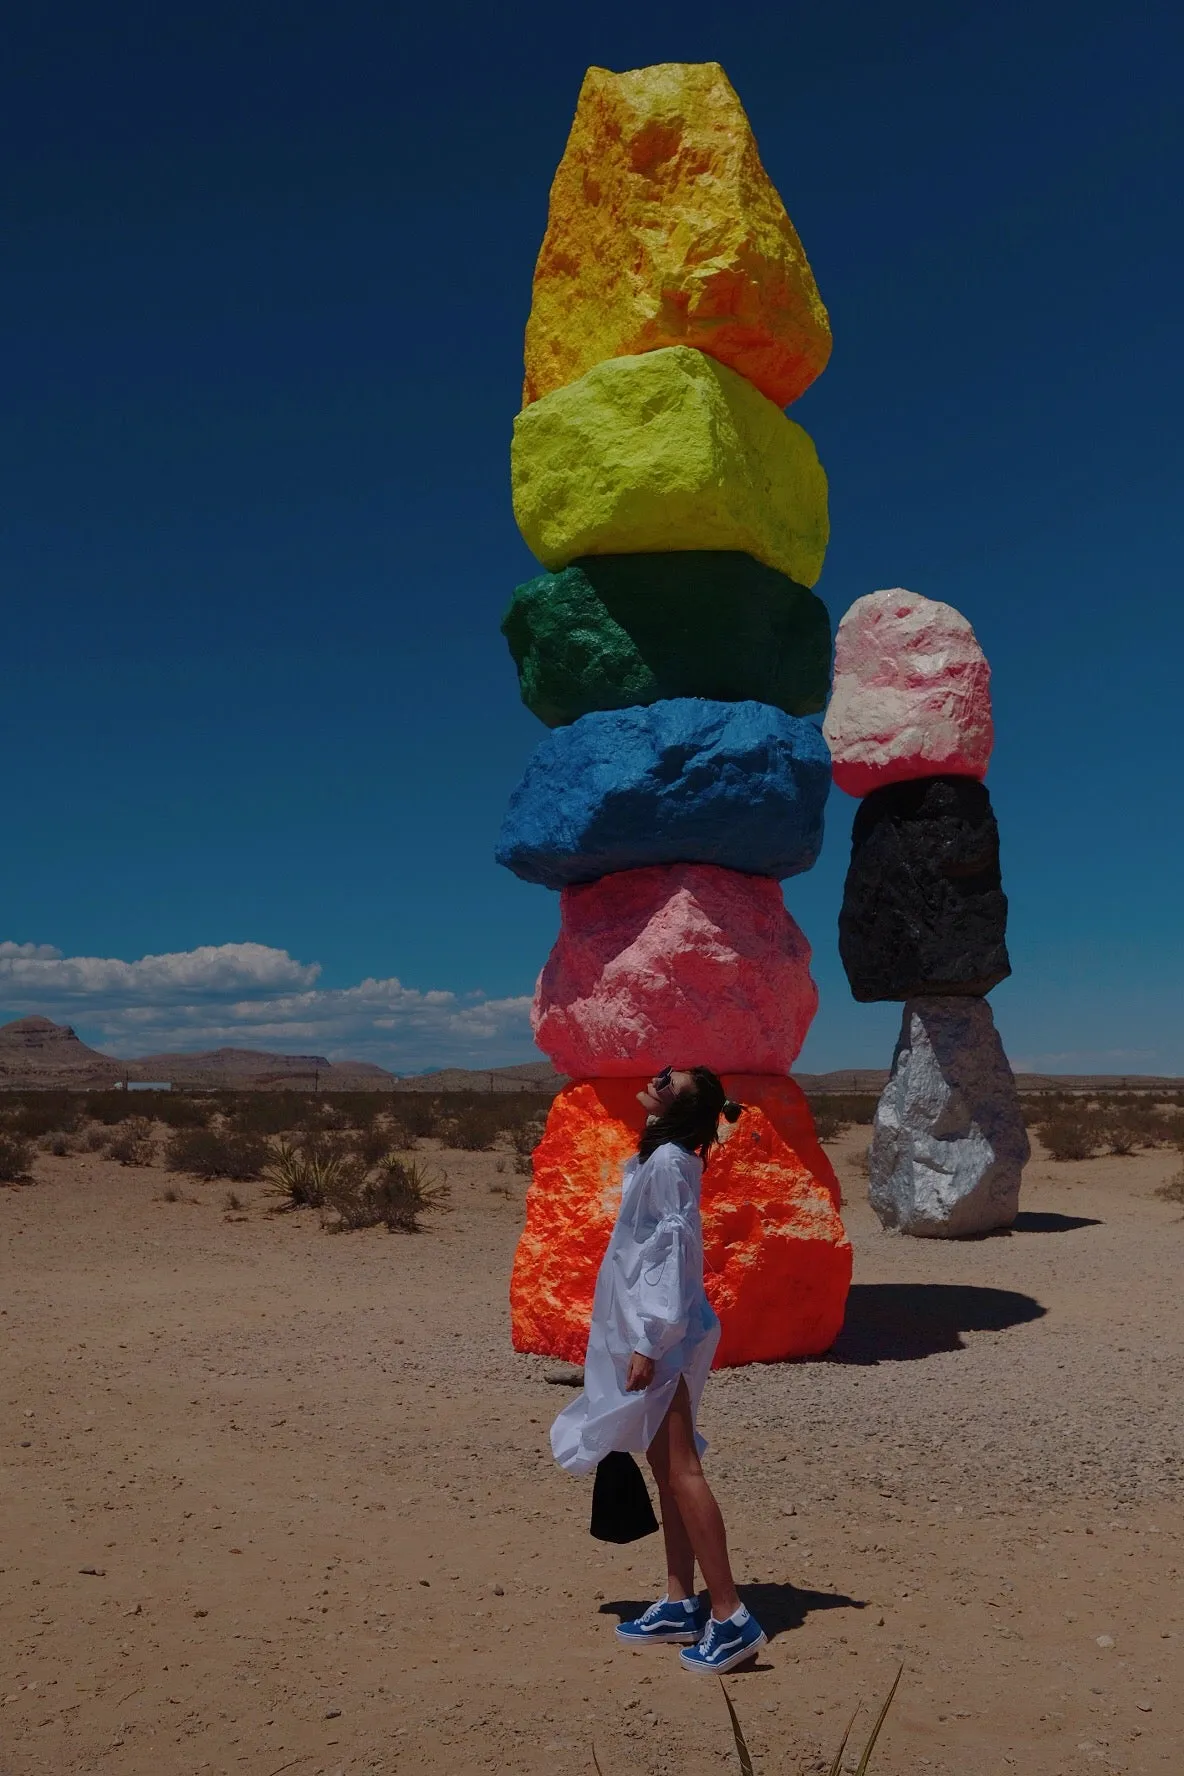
{"x": 674, "y": 648}
{"x": 924, "y": 914}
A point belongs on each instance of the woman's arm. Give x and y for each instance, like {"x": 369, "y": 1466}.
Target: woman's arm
{"x": 665, "y": 1288}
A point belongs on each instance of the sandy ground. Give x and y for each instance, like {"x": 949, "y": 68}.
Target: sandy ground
{"x": 276, "y": 1500}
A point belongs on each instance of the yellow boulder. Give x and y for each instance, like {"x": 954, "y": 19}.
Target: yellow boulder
{"x": 664, "y": 229}
{"x": 667, "y": 451}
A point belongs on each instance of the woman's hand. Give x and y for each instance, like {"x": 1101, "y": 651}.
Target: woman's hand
{"x": 641, "y": 1373}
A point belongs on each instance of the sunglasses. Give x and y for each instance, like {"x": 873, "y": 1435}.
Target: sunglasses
{"x": 664, "y": 1080}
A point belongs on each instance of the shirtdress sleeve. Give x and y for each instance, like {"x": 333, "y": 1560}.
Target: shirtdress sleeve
{"x": 666, "y": 1286}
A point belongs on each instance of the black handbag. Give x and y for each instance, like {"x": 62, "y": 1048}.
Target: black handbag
{"x": 621, "y": 1508}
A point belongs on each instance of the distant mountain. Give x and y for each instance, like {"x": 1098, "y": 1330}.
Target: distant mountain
{"x": 243, "y": 1069}
{"x": 35, "y": 1052}
{"x": 38, "y": 1054}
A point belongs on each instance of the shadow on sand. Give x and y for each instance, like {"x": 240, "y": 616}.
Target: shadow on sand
{"x": 778, "y": 1608}
{"x": 1045, "y": 1221}
{"x": 901, "y": 1322}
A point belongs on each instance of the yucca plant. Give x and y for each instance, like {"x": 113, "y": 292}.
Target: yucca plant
{"x": 745, "y": 1756}
{"x": 308, "y": 1175}
{"x": 404, "y": 1190}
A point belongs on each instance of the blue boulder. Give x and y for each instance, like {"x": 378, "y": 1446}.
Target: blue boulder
{"x": 742, "y": 785}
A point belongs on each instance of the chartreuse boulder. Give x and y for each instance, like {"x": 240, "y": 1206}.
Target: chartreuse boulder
{"x": 667, "y": 451}
{"x": 615, "y": 630}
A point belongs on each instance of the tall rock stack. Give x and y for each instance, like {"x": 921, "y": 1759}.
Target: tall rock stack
{"x": 673, "y": 648}
{"x": 924, "y": 916}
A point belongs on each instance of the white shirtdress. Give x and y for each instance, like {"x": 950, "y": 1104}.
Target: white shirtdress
{"x": 649, "y": 1298}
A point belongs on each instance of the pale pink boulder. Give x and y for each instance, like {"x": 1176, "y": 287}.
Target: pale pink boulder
{"x": 675, "y": 965}
{"x": 912, "y": 694}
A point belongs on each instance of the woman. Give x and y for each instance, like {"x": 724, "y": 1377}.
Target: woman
{"x": 650, "y": 1345}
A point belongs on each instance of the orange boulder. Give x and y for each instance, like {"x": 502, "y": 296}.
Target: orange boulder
{"x": 665, "y": 229}
{"x": 778, "y": 1263}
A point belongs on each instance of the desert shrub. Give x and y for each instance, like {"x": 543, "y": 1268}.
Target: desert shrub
{"x": 217, "y": 1153}
{"x": 133, "y": 1145}
{"x": 16, "y": 1154}
{"x": 112, "y": 1107}
{"x": 473, "y": 1130}
{"x": 94, "y": 1138}
{"x": 419, "y": 1114}
{"x": 328, "y": 1114}
{"x": 525, "y": 1138}
{"x": 358, "y": 1110}
{"x": 268, "y": 1113}
{"x": 46, "y": 1113}
{"x": 58, "y": 1142}
{"x": 1071, "y": 1135}
{"x": 394, "y": 1197}
{"x": 1173, "y": 1190}
{"x": 181, "y": 1112}
{"x": 843, "y": 1107}
{"x": 383, "y": 1136}
{"x": 1123, "y": 1131}
{"x": 828, "y": 1124}
{"x": 305, "y": 1175}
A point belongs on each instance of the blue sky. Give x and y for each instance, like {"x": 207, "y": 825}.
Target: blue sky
{"x": 266, "y": 275}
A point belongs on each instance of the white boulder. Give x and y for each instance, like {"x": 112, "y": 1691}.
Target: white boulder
{"x": 949, "y": 1144}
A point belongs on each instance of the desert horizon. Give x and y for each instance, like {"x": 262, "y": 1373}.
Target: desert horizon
{"x": 38, "y": 1054}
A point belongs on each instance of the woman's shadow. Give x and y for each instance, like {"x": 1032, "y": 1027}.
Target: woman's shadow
{"x": 778, "y": 1608}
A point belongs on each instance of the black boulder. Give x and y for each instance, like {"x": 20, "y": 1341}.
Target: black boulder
{"x": 924, "y": 910}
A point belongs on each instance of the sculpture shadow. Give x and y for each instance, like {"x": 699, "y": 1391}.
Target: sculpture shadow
{"x": 1046, "y": 1221}
{"x": 903, "y": 1322}
{"x": 778, "y": 1608}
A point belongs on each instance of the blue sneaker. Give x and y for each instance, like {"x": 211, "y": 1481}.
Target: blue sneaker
{"x": 724, "y": 1645}
{"x": 665, "y": 1624}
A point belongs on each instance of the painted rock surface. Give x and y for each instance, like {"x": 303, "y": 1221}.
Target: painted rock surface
{"x": 912, "y": 694}
{"x": 680, "y": 965}
{"x": 740, "y": 785}
{"x": 668, "y": 451}
{"x": 664, "y": 229}
{"x": 924, "y": 910}
{"x": 949, "y": 1145}
{"x": 612, "y": 631}
{"x": 777, "y": 1261}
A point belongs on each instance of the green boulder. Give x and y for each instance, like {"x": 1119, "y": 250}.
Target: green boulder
{"x": 612, "y": 631}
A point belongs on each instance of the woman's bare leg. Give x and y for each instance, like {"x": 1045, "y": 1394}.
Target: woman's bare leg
{"x": 680, "y": 1556}
{"x": 699, "y": 1519}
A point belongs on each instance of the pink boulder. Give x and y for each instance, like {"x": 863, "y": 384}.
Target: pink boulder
{"x": 680, "y": 965}
{"x": 912, "y": 694}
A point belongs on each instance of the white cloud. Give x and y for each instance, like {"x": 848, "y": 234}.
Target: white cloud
{"x": 30, "y": 952}
{"x": 252, "y": 996}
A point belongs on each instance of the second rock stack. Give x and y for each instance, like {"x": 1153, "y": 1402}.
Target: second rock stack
{"x": 924, "y": 915}
{"x": 673, "y": 648}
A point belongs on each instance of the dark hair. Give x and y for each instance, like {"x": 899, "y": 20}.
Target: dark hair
{"x": 691, "y": 1120}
